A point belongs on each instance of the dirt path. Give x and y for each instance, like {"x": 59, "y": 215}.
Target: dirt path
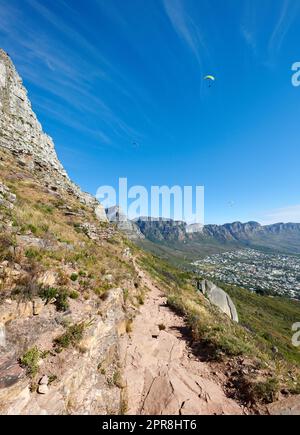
{"x": 162, "y": 375}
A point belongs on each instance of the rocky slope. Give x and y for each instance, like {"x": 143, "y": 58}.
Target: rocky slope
{"x": 63, "y": 280}
{"x": 63, "y": 275}
{"x": 22, "y": 134}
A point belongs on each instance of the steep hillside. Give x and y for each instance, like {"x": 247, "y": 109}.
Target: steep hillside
{"x": 63, "y": 280}
{"x": 68, "y": 286}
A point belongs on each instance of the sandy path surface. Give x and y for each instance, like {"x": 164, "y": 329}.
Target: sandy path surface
{"x": 162, "y": 374}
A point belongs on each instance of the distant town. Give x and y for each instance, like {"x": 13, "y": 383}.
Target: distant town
{"x": 257, "y": 271}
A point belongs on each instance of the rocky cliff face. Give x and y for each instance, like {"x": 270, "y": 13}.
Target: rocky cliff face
{"x": 116, "y": 216}
{"x": 283, "y": 237}
{"x": 22, "y": 134}
{"x": 161, "y": 229}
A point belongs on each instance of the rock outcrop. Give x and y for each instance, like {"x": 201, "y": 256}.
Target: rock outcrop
{"x": 220, "y": 298}
{"x": 159, "y": 229}
{"x": 288, "y": 406}
{"x": 116, "y": 215}
{"x": 77, "y": 387}
{"x": 22, "y": 134}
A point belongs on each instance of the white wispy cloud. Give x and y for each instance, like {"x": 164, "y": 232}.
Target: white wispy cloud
{"x": 60, "y": 68}
{"x": 185, "y": 27}
{"x": 250, "y": 38}
{"x": 262, "y": 40}
{"x": 285, "y": 214}
{"x": 287, "y": 15}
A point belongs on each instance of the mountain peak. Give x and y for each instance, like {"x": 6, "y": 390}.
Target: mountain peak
{"x": 21, "y": 134}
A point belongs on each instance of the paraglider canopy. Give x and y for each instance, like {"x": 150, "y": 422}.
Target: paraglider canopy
{"x": 210, "y": 77}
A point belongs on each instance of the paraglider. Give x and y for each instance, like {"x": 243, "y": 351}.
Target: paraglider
{"x": 210, "y": 79}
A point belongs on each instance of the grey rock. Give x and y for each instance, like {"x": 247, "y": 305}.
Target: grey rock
{"x": 43, "y": 389}
{"x": 22, "y": 134}
{"x": 2, "y": 335}
{"x": 220, "y": 298}
{"x": 44, "y": 380}
{"x": 131, "y": 229}
{"x": 194, "y": 228}
{"x": 90, "y": 230}
{"x": 7, "y": 198}
{"x": 289, "y": 406}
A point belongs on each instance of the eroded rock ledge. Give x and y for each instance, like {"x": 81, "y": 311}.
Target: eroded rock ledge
{"x": 22, "y": 134}
{"x": 84, "y": 377}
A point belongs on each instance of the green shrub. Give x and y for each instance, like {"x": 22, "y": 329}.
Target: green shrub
{"x": 129, "y": 323}
{"x": 61, "y": 301}
{"x": 73, "y": 294}
{"x": 71, "y": 337}
{"x": 45, "y": 208}
{"x": 32, "y": 228}
{"x": 117, "y": 379}
{"x": 7, "y": 245}
{"x": 30, "y": 361}
{"x": 48, "y": 293}
{"x": 60, "y": 297}
{"x": 74, "y": 277}
{"x": 141, "y": 299}
{"x": 33, "y": 254}
{"x": 52, "y": 378}
{"x": 125, "y": 294}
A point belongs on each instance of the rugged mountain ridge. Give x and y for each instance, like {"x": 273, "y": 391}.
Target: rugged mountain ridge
{"x": 183, "y": 244}
{"x": 167, "y": 229}
{"x": 22, "y": 134}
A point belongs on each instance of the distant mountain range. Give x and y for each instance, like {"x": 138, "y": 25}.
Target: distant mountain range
{"x": 177, "y": 239}
{"x": 180, "y": 242}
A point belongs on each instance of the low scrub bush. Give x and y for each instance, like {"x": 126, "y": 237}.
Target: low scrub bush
{"x": 60, "y": 297}
{"x": 30, "y": 361}
{"x": 71, "y": 337}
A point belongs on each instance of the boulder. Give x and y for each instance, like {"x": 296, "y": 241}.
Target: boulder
{"x": 43, "y": 389}
{"x": 219, "y": 298}
{"x": 289, "y": 406}
{"x": 2, "y": 335}
{"x": 44, "y": 380}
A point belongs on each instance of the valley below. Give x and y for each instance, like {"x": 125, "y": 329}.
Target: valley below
{"x": 257, "y": 271}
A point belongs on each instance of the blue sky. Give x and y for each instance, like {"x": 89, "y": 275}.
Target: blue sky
{"x": 104, "y": 74}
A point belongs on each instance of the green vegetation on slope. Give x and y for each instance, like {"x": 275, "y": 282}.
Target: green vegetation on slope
{"x": 269, "y": 318}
